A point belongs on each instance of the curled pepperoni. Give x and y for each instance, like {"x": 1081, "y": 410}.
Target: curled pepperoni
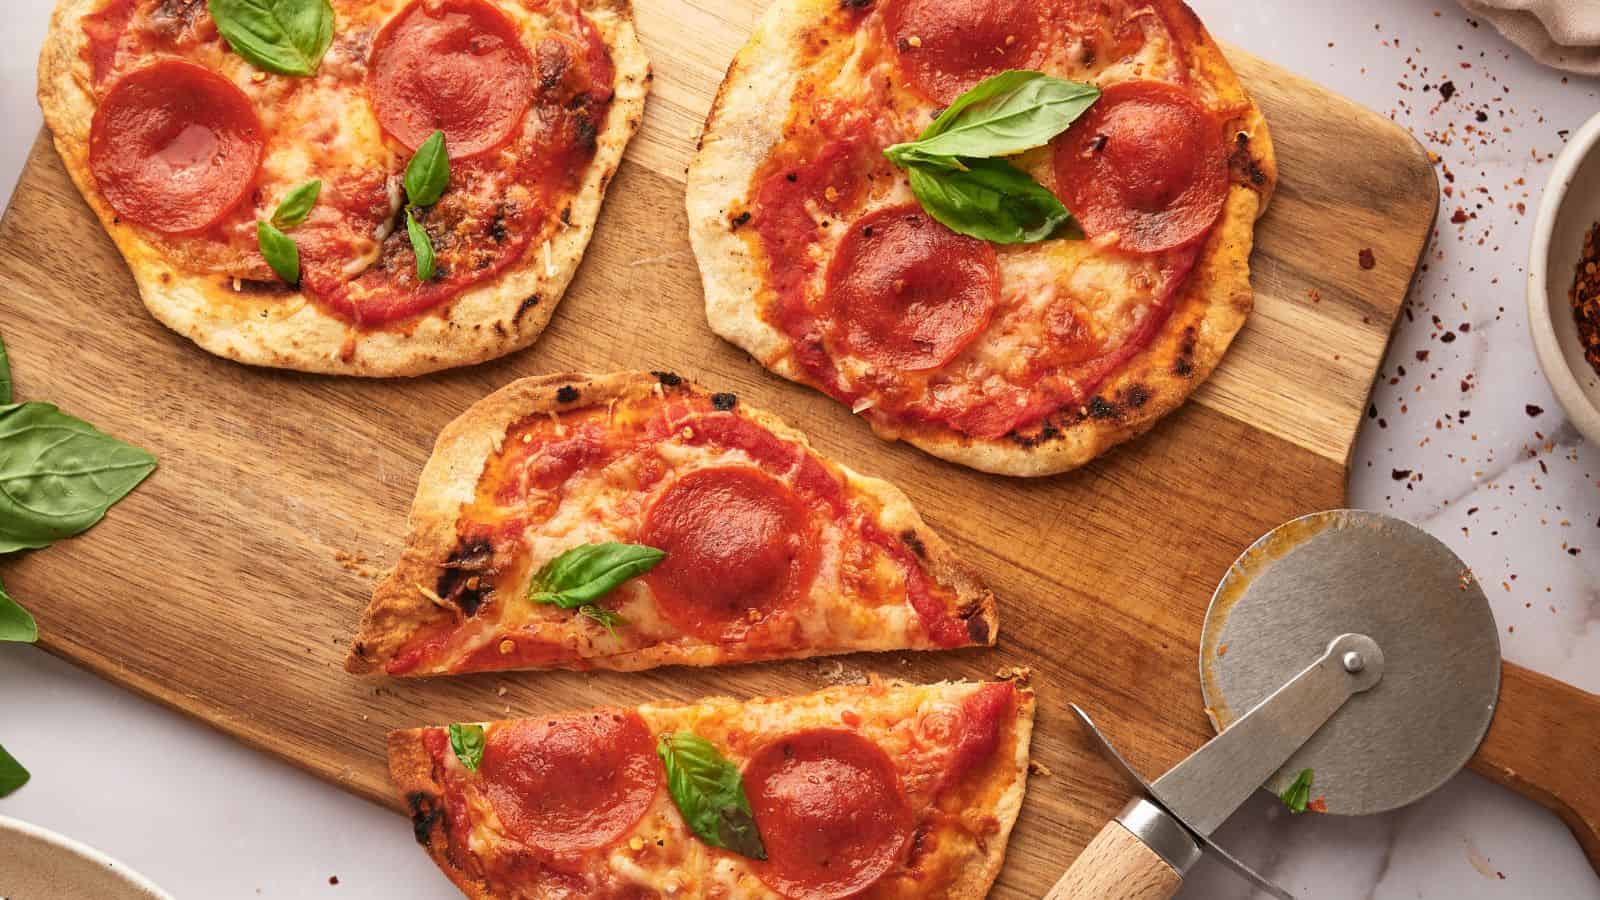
{"x": 1146, "y": 163}
{"x": 174, "y": 146}
{"x": 947, "y": 46}
{"x": 572, "y": 782}
{"x": 831, "y": 813}
{"x": 908, "y": 293}
{"x": 738, "y": 545}
{"x": 453, "y": 65}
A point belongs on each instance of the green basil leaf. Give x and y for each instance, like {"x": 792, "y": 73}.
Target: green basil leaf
{"x": 1005, "y": 115}
{"x": 583, "y": 575}
{"x": 280, "y": 250}
{"x": 1298, "y": 794}
{"x": 59, "y": 475}
{"x": 607, "y": 618}
{"x": 422, "y": 246}
{"x": 12, "y": 774}
{"x": 907, "y": 155}
{"x": 709, "y": 791}
{"x": 15, "y": 622}
{"x": 5, "y": 374}
{"x": 297, "y": 204}
{"x": 992, "y": 200}
{"x": 428, "y": 173}
{"x": 467, "y": 742}
{"x": 288, "y": 37}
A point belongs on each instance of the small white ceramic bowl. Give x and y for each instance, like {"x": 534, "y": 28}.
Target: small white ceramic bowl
{"x": 35, "y": 863}
{"x": 1570, "y": 207}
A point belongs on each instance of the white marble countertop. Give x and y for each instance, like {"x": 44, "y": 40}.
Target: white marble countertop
{"x": 1464, "y": 438}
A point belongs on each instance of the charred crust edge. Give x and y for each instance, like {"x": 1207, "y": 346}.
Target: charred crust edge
{"x": 425, "y": 813}
{"x": 724, "y": 402}
{"x": 977, "y": 625}
{"x": 914, "y": 543}
{"x": 466, "y": 564}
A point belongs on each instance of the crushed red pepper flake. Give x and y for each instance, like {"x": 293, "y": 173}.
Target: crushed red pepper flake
{"x": 1585, "y": 297}
{"x": 1366, "y": 258}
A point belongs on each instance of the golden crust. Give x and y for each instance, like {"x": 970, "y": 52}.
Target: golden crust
{"x": 450, "y": 479}
{"x": 287, "y": 330}
{"x": 412, "y": 771}
{"x": 419, "y": 786}
{"x": 746, "y": 121}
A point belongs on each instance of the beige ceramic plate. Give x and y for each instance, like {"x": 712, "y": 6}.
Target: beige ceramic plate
{"x": 36, "y": 864}
{"x": 1571, "y": 205}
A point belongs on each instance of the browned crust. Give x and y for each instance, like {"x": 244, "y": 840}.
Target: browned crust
{"x": 398, "y": 607}
{"x": 1210, "y": 309}
{"x": 412, "y": 770}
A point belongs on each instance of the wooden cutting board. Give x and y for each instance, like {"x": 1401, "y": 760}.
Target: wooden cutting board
{"x": 227, "y": 586}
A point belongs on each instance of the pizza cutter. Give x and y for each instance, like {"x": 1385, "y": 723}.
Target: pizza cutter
{"x": 1347, "y": 642}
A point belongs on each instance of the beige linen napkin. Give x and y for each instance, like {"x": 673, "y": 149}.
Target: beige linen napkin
{"x": 1560, "y": 33}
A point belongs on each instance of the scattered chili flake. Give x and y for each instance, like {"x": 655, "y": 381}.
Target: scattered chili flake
{"x": 1366, "y": 258}
{"x": 1585, "y": 297}
{"x": 1533, "y": 411}
{"x": 1400, "y": 474}
{"x": 1319, "y": 805}
{"x": 1447, "y": 90}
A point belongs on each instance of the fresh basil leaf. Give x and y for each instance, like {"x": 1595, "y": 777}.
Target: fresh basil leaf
{"x": 709, "y": 791}
{"x": 583, "y": 575}
{"x": 1298, "y": 794}
{"x": 422, "y": 246}
{"x": 428, "y": 173}
{"x": 1004, "y": 115}
{"x": 5, "y": 374}
{"x": 12, "y": 774}
{"x": 297, "y": 204}
{"x": 467, "y": 742}
{"x": 607, "y": 618}
{"x": 15, "y": 622}
{"x": 907, "y": 155}
{"x": 288, "y": 37}
{"x": 59, "y": 475}
{"x": 992, "y": 200}
{"x": 280, "y": 250}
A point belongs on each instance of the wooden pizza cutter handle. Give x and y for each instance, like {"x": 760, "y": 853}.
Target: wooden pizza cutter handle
{"x": 1121, "y": 863}
{"x": 1544, "y": 743}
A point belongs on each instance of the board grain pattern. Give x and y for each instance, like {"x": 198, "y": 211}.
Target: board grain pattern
{"x": 228, "y": 585}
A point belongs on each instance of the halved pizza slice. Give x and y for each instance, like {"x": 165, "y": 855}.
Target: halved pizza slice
{"x": 635, "y": 520}
{"x": 875, "y": 791}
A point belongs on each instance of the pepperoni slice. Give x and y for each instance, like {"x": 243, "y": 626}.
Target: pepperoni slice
{"x": 174, "y": 146}
{"x": 982, "y": 714}
{"x": 573, "y": 782}
{"x": 738, "y": 545}
{"x": 908, "y": 293}
{"x": 1146, "y": 163}
{"x": 947, "y": 46}
{"x": 830, "y": 811}
{"x": 457, "y": 66}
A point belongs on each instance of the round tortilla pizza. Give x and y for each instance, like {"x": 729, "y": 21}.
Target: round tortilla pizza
{"x": 1022, "y": 358}
{"x": 199, "y": 155}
